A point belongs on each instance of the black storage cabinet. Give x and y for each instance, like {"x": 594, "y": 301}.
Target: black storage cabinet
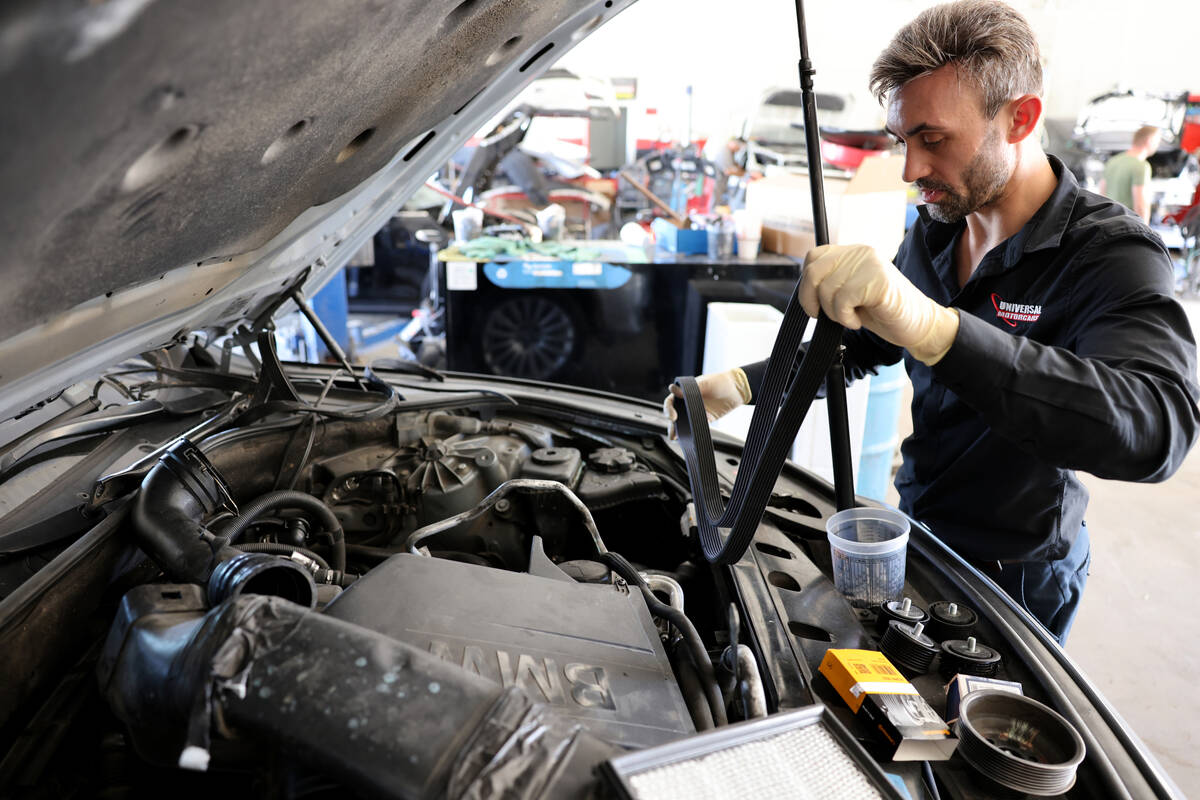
{"x": 632, "y": 339}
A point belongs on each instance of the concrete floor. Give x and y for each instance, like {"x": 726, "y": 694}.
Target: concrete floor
{"x": 1137, "y": 637}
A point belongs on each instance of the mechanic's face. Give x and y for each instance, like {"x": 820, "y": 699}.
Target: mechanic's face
{"x": 956, "y": 156}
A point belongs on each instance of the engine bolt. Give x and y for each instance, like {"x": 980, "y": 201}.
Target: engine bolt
{"x": 502, "y": 506}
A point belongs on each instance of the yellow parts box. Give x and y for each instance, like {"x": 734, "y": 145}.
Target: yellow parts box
{"x": 857, "y": 673}
{"x": 885, "y": 702}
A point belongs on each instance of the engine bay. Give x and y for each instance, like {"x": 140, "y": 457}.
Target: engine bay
{"x": 483, "y": 541}
{"x": 423, "y": 597}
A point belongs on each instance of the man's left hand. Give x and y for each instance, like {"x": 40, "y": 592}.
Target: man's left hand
{"x": 857, "y": 289}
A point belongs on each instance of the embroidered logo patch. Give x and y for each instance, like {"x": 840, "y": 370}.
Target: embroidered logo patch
{"x": 1012, "y": 313}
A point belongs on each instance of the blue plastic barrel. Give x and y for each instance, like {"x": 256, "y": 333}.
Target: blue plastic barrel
{"x": 881, "y": 431}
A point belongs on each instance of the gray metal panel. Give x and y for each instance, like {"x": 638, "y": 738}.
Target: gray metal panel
{"x": 167, "y": 166}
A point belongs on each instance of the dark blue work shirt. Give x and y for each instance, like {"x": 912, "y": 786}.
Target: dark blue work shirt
{"x": 1072, "y": 354}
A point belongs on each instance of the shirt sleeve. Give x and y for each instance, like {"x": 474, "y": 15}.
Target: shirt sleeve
{"x": 1121, "y": 402}
{"x": 1141, "y": 175}
{"x": 865, "y": 352}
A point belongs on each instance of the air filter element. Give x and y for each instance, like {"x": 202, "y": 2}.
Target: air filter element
{"x": 1018, "y": 743}
{"x": 800, "y": 754}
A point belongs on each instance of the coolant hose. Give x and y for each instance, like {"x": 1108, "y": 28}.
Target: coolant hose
{"x": 745, "y": 679}
{"x": 695, "y": 645}
{"x": 694, "y": 695}
{"x": 289, "y": 498}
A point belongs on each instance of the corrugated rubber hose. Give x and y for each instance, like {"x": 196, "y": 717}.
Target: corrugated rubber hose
{"x": 288, "y": 498}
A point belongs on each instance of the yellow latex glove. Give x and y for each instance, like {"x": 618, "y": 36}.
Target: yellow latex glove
{"x": 722, "y": 393}
{"x": 857, "y": 289}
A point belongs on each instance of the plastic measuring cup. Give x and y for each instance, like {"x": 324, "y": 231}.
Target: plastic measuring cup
{"x": 868, "y": 549}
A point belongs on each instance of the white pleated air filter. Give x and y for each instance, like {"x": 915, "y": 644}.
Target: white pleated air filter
{"x": 797, "y": 755}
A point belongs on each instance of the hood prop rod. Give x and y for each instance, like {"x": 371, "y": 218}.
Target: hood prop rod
{"x": 270, "y": 371}
{"x": 835, "y": 381}
{"x": 309, "y": 314}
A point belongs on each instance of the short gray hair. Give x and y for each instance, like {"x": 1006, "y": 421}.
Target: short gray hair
{"x": 989, "y": 43}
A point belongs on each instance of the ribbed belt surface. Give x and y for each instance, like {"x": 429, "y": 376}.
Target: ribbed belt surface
{"x": 777, "y": 418}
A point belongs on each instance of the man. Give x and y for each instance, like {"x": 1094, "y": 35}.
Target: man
{"x": 1036, "y": 320}
{"x": 1127, "y": 174}
{"x": 730, "y": 162}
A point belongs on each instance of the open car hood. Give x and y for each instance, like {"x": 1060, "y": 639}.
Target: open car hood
{"x": 170, "y": 167}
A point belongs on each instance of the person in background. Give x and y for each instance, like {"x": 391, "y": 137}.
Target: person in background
{"x": 730, "y": 162}
{"x": 1127, "y": 174}
{"x": 1036, "y": 320}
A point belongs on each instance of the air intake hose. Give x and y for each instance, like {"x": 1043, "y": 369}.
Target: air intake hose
{"x": 176, "y": 495}
{"x": 384, "y": 718}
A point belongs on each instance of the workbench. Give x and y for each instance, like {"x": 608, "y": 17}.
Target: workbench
{"x": 624, "y": 320}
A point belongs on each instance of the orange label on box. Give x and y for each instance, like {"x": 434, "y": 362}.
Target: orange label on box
{"x": 857, "y": 673}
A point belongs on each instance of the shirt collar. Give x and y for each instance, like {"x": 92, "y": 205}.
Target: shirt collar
{"x": 1043, "y": 230}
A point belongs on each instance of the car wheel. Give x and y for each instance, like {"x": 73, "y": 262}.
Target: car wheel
{"x": 528, "y": 337}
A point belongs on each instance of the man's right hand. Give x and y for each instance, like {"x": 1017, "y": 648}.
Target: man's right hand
{"x": 722, "y": 393}
{"x": 857, "y": 289}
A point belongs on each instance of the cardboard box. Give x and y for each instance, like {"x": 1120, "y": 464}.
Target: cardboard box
{"x": 866, "y": 208}
{"x": 906, "y": 726}
{"x": 788, "y": 241}
{"x": 962, "y": 685}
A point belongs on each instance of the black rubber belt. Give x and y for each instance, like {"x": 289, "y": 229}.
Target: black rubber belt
{"x": 777, "y": 417}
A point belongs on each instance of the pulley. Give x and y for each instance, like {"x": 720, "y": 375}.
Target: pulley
{"x": 908, "y": 647}
{"x": 899, "y": 611}
{"x": 968, "y": 657}
{"x": 950, "y": 620}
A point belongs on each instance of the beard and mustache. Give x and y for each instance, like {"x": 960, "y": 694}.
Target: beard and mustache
{"x": 984, "y": 180}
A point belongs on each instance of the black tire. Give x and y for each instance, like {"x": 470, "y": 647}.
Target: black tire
{"x": 528, "y": 336}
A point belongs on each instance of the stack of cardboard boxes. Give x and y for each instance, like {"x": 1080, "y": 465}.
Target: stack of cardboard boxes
{"x": 866, "y": 208}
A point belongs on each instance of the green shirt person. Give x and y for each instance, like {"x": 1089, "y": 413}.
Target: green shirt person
{"x": 1127, "y": 174}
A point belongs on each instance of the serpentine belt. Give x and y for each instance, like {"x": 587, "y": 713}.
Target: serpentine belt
{"x": 777, "y": 417}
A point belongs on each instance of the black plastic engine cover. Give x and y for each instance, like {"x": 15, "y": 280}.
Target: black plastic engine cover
{"x": 600, "y": 490}
{"x": 590, "y": 650}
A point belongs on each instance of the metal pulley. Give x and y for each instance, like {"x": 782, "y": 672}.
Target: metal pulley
{"x": 908, "y": 647}
{"x": 899, "y": 611}
{"x": 968, "y": 657}
{"x": 950, "y": 620}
